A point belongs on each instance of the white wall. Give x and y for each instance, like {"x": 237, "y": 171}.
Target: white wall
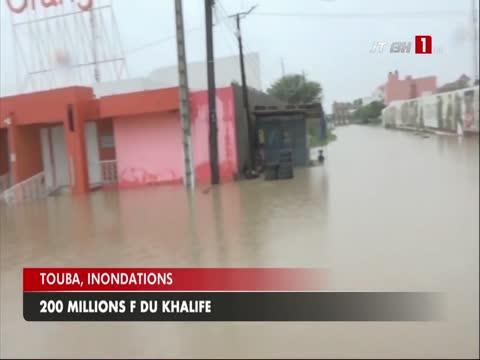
{"x": 454, "y": 111}
{"x": 227, "y": 70}
{"x": 93, "y": 154}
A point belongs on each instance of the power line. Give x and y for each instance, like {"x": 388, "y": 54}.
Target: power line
{"x": 159, "y": 41}
{"x": 367, "y": 15}
{"x": 167, "y": 38}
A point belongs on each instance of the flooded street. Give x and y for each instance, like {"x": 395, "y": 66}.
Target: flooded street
{"x": 388, "y": 211}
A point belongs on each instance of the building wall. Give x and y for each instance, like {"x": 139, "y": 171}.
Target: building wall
{"x": 449, "y": 111}
{"x": 149, "y": 147}
{"x": 28, "y": 156}
{"x": 3, "y": 152}
{"x": 227, "y": 147}
{"x": 408, "y": 88}
{"x": 227, "y": 71}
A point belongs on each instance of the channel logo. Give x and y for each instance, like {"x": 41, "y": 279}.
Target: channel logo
{"x": 423, "y": 44}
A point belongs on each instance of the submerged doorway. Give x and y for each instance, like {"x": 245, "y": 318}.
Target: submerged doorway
{"x": 55, "y": 157}
{"x": 55, "y": 160}
{"x": 5, "y": 180}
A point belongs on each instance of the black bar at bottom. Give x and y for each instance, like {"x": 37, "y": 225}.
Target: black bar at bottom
{"x": 231, "y": 306}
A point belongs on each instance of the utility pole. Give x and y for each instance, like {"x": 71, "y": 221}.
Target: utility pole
{"x": 212, "y": 106}
{"x": 475, "y": 40}
{"x": 246, "y": 102}
{"x": 189, "y": 177}
{"x": 283, "y": 67}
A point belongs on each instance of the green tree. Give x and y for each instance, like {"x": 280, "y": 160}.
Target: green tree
{"x": 296, "y": 90}
{"x": 358, "y": 102}
{"x": 369, "y": 113}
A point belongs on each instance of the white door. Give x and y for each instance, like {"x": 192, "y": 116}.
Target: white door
{"x": 54, "y": 154}
{"x": 93, "y": 155}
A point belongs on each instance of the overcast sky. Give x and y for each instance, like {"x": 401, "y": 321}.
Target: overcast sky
{"x": 332, "y": 48}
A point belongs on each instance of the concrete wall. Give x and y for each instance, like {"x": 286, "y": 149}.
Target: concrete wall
{"x": 70, "y": 106}
{"x": 227, "y": 70}
{"x": 149, "y": 147}
{"x": 4, "y": 161}
{"x": 28, "y": 156}
{"x": 227, "y": 150}
{"x": 127, "y": 86}
{"x": 451, "y": 111}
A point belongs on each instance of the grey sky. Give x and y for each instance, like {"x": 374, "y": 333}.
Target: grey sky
{"x": 332, "y": 50}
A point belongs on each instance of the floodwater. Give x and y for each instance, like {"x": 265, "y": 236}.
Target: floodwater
{"x": 388, "y": 211}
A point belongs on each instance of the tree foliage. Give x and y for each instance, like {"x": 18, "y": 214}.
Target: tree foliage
{"x": 296, "y": 90}
{"x": 369, "y": 113}
{"x": 358, "y": 102}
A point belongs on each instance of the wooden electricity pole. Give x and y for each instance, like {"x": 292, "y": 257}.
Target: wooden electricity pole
{"x": 189, "y": 177}
{"x": 246, "y": 102}
{"x": 212, "y": 107}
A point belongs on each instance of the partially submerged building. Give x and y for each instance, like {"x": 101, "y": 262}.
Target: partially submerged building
{"x": 68, "y": 138}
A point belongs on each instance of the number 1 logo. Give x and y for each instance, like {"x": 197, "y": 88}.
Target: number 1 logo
{"x": 423, "y": 44}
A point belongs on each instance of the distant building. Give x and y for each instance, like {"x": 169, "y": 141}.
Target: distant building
{"x": 343, "y": 112}
{"x": 408, "y": 88}
{"x": 461, "y": 83}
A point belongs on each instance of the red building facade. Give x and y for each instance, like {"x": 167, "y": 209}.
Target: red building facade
{"x": 139, "y": 131}
{"x": 408, "y": 88}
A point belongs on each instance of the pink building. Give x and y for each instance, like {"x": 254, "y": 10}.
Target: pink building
{"x": 68, "y": 138}
{"x": 148, "y": 145}
{"x": 408, "y": 88}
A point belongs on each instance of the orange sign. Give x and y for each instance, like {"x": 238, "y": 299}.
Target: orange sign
{"x": 19, "y": 6}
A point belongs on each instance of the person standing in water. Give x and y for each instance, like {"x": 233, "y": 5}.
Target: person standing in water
{"x": 321, "y": 158}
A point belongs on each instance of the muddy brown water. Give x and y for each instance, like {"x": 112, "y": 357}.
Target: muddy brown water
{"x": 388, "y": 211}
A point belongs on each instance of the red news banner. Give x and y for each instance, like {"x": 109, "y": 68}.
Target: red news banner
{"x": 170, "y": 279}
{"x": 203, "y": 294}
